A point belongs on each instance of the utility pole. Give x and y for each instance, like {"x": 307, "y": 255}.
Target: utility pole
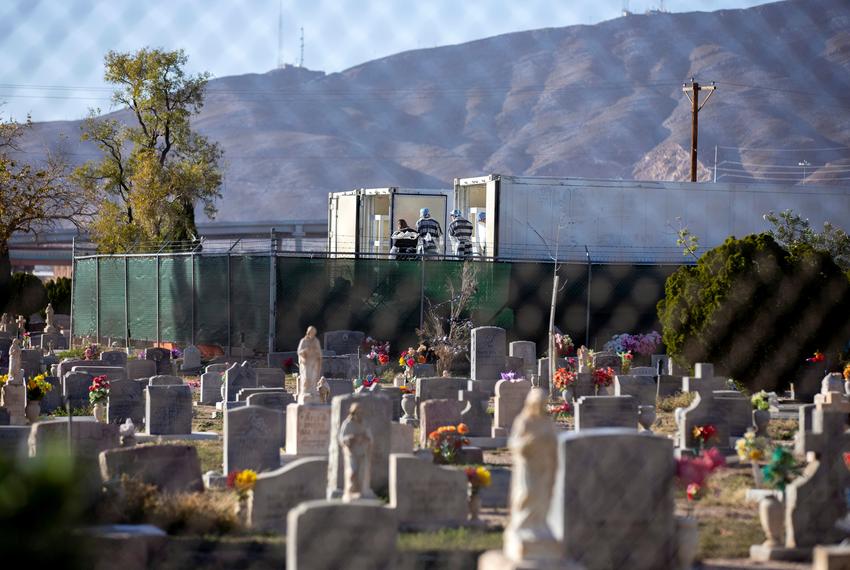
{"x": 696, "y": 107}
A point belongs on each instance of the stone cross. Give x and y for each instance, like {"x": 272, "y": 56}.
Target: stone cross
{"x": 22, "y": 324}
{"x": 816, "y": 501}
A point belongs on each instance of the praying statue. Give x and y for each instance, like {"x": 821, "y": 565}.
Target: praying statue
{"x": 48, "y": 319}
{"x": 4, "y": 323}
{"x": 309, "y": 367}
{"x": 355, "y": 439}
{"x": 533, "y": 446}
{"x": 16, "y": 375}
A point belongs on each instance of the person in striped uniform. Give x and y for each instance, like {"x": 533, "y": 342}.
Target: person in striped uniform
{"x": 404, "y": 241}
{"x": 460, "y": 231}
{"x": 429, "y": 231}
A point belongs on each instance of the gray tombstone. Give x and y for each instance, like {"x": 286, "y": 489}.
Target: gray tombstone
{"x": 620, "y": 481}
{"x": 425, "y": 370}
{"x": 345, "y": 523}
{"x": 727, "y": 410}
{"x": 487, "y": 355}
{"x": 170, "y": 468}
{"x": 343, "y": 342}
{"x": 426, "y": 496}
{"x": 376, "y": 410}
{"x": 54, "y": 340}
{"x": 642, "y": 388}
{"x": 279, "y": 491}
{"x": 440, "y": 388}
{"x": 210, "y": 388}
{"x": 339, "y": 386}
{"x": 245, "y": 392}
{"x": 53, "y": 399}
{"x": 31, "y": 361}
{"x": 67, "y": 364}
{"x": 607, "y": 359}
{"x": 274, "y": 400}
{"x": 111, "y": 372}
{"x": 191, "y": 358}
{"x": 236, "y": 377}
{"x": 88, "y": 439}
{"x": 168, "y": 410}
{"x": 339, "y": 366}
{"x": 474, "y": 414}
{"x": 252, "y": 439}
{"x": 165, "y": 380}
{"x": 437, "y": 413}
{"x": 114, "y": 358}
{"x": 161, "y": 357}
{"x": 606, "y": 411}
{"x": 527, "y": 350}
{"x": 126, "y": 400}
{"x": 75, "y": 387}
{"x": 13, "y": 441}
{"x": 137, "y": 369}
{"x": 510, "y": 398}
{"x": 270, "y": 377}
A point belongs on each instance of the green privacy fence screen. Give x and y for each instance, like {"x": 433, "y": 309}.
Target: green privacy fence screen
{"x": 231, "y": 300}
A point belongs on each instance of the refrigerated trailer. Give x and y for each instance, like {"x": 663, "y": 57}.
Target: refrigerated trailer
{"x": 360, "y": 221}
{"x": 538, "y": 218}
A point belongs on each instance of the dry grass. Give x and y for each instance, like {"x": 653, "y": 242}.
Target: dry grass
{"x": 670, "y": 403}
{"x": 451, "y": 539}
{"x": 782, "y": 430}
{"x": 133, "y": 502}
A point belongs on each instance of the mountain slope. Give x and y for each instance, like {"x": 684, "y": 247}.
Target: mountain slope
{"x": 581, "y": 101}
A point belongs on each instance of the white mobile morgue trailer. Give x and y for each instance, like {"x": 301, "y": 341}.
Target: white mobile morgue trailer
{"x": 628, "y": 220}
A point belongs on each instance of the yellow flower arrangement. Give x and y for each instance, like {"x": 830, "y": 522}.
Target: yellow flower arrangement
{"x": 245, "y": 480}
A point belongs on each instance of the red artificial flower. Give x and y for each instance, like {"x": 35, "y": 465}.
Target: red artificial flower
{"x": 231, "y": 479}
{"x": 818, "y": 357}
{"x": 847, "y": 459}
{"x": 288, "y": 362}
{"x": 694, "y": 492}
{"x": 383, "y": 358}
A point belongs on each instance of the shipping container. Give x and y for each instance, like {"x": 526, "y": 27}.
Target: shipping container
{"x": 537, "y": 218}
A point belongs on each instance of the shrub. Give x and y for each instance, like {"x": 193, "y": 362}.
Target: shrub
{"x": 26, "y": 296}
{"x": 756, "y": 311}
{"x": 59, "y": 294}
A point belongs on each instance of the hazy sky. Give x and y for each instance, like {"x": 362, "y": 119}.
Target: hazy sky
{"x": 53, "y": 49}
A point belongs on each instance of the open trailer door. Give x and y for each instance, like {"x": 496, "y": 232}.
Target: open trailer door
{"x": 406, "y": 207}
{"x": 342, "y": 234}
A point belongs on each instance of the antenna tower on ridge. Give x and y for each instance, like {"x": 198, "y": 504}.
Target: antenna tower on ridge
{"x": 301, "y": 59}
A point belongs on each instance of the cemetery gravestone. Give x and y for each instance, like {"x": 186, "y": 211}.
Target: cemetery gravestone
{"x": 245, "y": 392}
{"x": 168, "y": 410}
{"x": 607, "y": 359}
{"x": 252, "y": 439}
{"x": 510, "y": 398}
{"x": 728, "y": 411}
{"x": 165, "y": 380}
{"x": 474, "y": 412}
{"x": 344, "y": 522}
{"x": 434, "y": 414}
{"x": 66, "y": 365}
{"x": 191, "y": 359}
{"x": 114, "y": 358}
{"x": 88, "y": 439}
{"x": 111, "y": 372}
{"x": 340, "y": 366}
{"x": 75, "y": 387}
{"x": 126, "y": 400}
{"x": 272, "y": 400}
{"x": 642, "y": 388}
{"x": 424, "y": 370}
{"x": 426, "y": 496}
{"x": 308, "y": 429}
{"x": 13, "y": 440}
{"x": 527, "y": 350}
{"x": 439, "y": 388}
{"x": 270, "y": 377}
{"x": 638, "y": 517}
{"x": 606, "y": 412}
{"x": 161, "y": 357}
{"x": 343, "y": 342}
{"x": 487, "y": 356}
{"x": 279, "y": 491}
{"x": 31, "y": 361}
{"x": 376, "y": 411}
{"x": 210, "y": 388}
{"x": 170, "y": 468}
{"x": 237, "y": 377}
{"x": 401, "y": 438}
{"x": 137, "y": 369}
{"x": 53, "y": 399}
{"x": 339, "y": 386}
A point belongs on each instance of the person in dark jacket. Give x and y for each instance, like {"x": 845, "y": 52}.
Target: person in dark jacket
{"x": 403, "y": 242}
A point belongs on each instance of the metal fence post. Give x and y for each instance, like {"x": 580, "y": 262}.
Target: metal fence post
{"x": 156, "y": 257}
{"x": 97, "y": 299}
{"x": 272, "y": 293}
{"x": 229, "y": 316}
{"x": 126, "y": 303}
{"x": 192, "y": 261}
{"x": 73, "y": 279}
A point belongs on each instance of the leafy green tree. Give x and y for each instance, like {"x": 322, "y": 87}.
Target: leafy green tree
{"x": 793, "y": 232}
{"x": 757, "y": 311}
{"x": 155, "y": 170}
{"x": 33, "y": 196}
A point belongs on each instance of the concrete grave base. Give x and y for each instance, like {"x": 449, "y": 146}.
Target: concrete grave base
{"x": 194, "y": 436}
{"x": 496, "y": 560}
{"x": 762, "y": 553}
{"x": 488, "y": 442}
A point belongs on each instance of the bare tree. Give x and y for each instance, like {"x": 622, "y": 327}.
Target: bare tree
{"x": 448, "y": 333}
